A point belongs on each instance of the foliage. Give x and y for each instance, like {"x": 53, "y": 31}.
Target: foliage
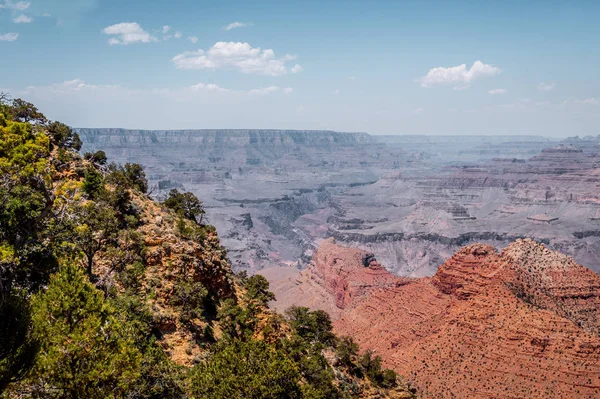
{"x": 130, "y": 176}
{"x": 346, "y": 352}
{"x": 23, "y": 111}
{"x": 189, "y": 297}
{"x": 26, "y": 200}
{"x": 246, "y": 370}
{"x": 371, "y": 366}
{"x": 98, "y": 157}
{"x": 136, "y": 175}
{"x": 186, "y": 205}
{"x": 93, "y": 185}
{"x": 63, "y": 136}
{"x": 312, "y": 326}
{"x": 236, "y": 322}
{"x": 96, "y": 228}
{"x": 86, "y": 350}
{"x": 257, "y": 289}
{"x": 16, "y": 349}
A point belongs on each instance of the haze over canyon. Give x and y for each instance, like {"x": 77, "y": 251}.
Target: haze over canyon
{"x": 411, "y": 200}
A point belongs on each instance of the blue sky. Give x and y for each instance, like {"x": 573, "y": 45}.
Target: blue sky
{"x": 384, "y": 67}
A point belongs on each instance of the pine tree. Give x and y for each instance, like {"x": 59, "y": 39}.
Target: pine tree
{"x": 246, "y": 370}
{"x": 86, "y": 351}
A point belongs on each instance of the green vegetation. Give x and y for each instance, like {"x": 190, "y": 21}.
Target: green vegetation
{"x": 251, "y": 369}
{"x": 85, "y": 302}
{"x": 186, "y": 205}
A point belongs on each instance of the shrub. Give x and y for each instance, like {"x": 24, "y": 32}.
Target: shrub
{"x": 86, "y": 351}
{"x": 246, "y": 370}
{"x": 186, "y": 205}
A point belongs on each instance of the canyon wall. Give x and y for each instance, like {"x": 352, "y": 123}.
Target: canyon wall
{"x": 523, "y": 322}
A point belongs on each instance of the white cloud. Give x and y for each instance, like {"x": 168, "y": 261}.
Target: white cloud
{"x": 236, "y": 56}
{"x": 546, "y": 86}
{"x": 9, "y": 37}
{"x": 178, "y": 35}
{"x": 236, "y": 24}
{"x": 166, "y": 29}
{"x": 193, "y": 39}
{"x": 336, "y": 92}
{"x": 128, "y": 33}
{"x": 351, "y": 77}
{"x": 20, "y": 5}
{"x": 588, "y": 101}
{"x": 497, "y": 91}
{"x": 418, "y": 111}
{"x": 210, "y": 87}
{"x": 264, "y": 90}
{"x": 22, "y": 19}
{"x": 77, "y": 85}
{"x": 296, "y": 68}
{"x": 458, "y": 77}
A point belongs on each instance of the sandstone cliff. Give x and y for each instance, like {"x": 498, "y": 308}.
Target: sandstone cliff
{"x": 522, "y": 323}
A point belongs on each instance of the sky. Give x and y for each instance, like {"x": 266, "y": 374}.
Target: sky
{"x": 379, "y": 66}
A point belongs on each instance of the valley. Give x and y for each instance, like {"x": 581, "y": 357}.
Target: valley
{"x": 411, "y": 200}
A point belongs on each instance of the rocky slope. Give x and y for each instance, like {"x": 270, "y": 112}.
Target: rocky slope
{"x": 523, "y": 322}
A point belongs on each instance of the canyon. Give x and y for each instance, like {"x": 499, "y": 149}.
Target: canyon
{"x": 523, "y": 322}
{"x": 411, "y": 200}
{"x": 469, "y": 264}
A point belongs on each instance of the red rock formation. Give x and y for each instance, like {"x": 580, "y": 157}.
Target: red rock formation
{"x": 523, "y": 323}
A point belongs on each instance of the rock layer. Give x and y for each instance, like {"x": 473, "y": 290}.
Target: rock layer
{"x": 520, "y": 323}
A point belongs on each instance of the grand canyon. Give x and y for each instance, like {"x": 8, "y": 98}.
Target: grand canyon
{"x": 412, "y": 200}
{"x": 468, "y": 263}
{"x": 364, "y": 199}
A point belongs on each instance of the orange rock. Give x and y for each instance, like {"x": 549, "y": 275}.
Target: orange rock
{"x": 522, "y": 323}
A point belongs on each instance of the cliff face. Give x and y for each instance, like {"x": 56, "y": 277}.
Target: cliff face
{"x": 170, "y": 259}
{"x": 520, "y": 323}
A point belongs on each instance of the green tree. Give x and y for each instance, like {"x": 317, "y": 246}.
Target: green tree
{"x": 189, "y": 297}
{"x": 16, "y": 349}
{"x": 63, "y": 136}
{"x": 246, "y": 370}
{"x": 99, "y": 157}
{"x": 96, "y": 228}
{"x": 312, "y": 326}
{"x": 93, "y": 184}
{"x": 136, "y": 175}
{"x": 257, "y": 288}
{"x": 26, "y": 201}
{"x": 371, "y": 366}
{"x": 86, "y": 351}
{"x": 347, "y": 351}
{"x": 186, "y": 205}
{"x": 23, "y": 111}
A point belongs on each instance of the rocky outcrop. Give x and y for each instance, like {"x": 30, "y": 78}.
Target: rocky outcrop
{"x": 520, "y": 323}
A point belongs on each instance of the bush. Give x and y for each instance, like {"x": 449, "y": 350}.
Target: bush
{"x": 312, "y": 326}
{"x": 98, "y": 157}
{"x": 93, "y": 185}
{"x": 186, "y": 205}
{"x": 63, "y": 136}
{"x": 346, "y": 352}
{"x": 257, "y": 288}
{"x": 246, "y": 370}
{"x": 371, "y": 366}
{"x": 189, "y": 297}
{"x": 86, "y": 351}
{"x": 131, "y": 176}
